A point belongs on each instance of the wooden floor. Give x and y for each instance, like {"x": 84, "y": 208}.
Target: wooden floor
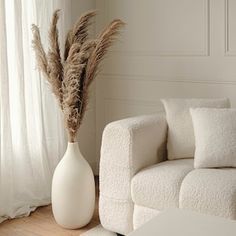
{"x": 42, "y": 223}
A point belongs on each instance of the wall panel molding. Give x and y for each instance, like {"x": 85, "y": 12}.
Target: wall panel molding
{"x": 228, "y": 51}
{"x": 169, "y": 79}
{"x": 173, "y": 53}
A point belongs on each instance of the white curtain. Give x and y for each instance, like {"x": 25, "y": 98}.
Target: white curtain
{"x": 32, "y": 138}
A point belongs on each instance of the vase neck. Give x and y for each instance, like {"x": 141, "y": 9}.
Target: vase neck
{"x": 73, "y": 144}
{"x": 73, "y": 150}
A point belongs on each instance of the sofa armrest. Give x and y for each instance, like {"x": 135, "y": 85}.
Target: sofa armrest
{"x": 127, "y": 146}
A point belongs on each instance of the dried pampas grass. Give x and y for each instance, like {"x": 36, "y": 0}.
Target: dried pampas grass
{"x": 70, "y": 78}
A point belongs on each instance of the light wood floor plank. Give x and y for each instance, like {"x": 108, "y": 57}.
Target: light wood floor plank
{"x": 42, "y": 223}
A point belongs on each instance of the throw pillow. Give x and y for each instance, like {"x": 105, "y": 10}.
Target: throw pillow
{"x": 215, "y": 137}
{"x": 180, "y": 142}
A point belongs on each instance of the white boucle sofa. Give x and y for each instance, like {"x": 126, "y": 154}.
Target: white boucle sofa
{"x": 137, "y": 182}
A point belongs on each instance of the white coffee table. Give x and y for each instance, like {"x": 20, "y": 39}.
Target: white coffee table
{"x": 178, "y": 222}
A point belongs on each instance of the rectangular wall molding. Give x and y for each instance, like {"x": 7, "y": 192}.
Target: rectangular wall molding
{"x": 175, "y": 79}
{"x": 205, "y": 33}
{"x": 228, "y": 22}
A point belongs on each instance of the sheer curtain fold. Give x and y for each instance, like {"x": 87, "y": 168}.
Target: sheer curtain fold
{"x": 32, "y": 138}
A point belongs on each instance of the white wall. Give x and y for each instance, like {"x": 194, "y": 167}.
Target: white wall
{"x": 184, "y": 48}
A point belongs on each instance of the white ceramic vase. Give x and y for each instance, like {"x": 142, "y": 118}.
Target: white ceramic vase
{"x": 73, "y": 190}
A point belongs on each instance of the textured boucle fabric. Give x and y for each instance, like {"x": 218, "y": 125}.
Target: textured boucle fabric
{"x": 142, "y": 215}
{"x": 210, "y": 191}
{"x": 116, "y": 215}
{"x": 127, "y": 146}
{"x": 180, "y": 142}
{"x": 158, "y": 186}
{"x": 215, "y": 137}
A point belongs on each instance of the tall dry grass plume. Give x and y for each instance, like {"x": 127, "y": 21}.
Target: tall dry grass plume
{"x": 71, "y": 76}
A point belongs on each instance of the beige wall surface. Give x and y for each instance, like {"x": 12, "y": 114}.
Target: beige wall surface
{"x": 169, "y": 48}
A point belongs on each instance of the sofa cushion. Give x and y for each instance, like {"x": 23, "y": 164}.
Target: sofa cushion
{"x": 158, "y": 186}
{"x": 210, "y": 191}
{"x": 180, "y": 142}
{"x": 215, "y": 137}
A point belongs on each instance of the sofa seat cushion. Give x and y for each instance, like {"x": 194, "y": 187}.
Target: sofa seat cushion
{"x": 210, "y": 191}
{"x": 158, "y": 186}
